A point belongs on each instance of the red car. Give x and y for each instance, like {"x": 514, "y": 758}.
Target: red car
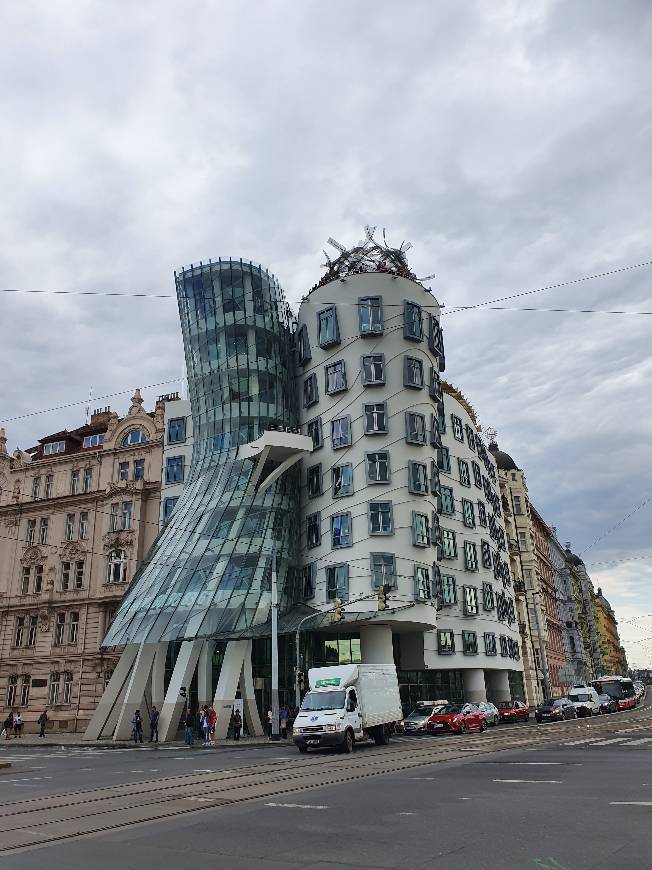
{"x": 627, "y": 703}
{"x": 457, "y": 718}
{"x": 513, "y": 711}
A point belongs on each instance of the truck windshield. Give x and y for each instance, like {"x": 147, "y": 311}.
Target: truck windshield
{"x": 323, "y": 701}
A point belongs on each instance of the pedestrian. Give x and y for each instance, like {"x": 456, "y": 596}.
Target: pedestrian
{"x": 137, "y": 727}
{"x": 206, "y": 725}
{"x": 42, "y": 721}
{"x": 189, "y": 726}
{"x": 18, "y": 724}
{"x": 212, "y": 719}
{"x": 7, "y": 725}
{"x": 284, "y": 715}
{"x": 269, "y": 723}
{"x": 153, "y": 724}
{"x": 237, "y": 724}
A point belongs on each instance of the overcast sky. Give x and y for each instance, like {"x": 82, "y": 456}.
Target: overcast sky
{"x": 509, "y": 141}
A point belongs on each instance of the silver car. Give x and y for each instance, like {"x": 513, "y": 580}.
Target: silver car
{"x": 491, "y": 714}
{"x": 417, "y": 721}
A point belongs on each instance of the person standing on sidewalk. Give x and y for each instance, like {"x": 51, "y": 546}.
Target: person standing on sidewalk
{"x": 206, "y": 725}
{"x": 237, "y": 724}
{"x": 212, "y": 719}
{"x": 42, "y": 722}
{"x": 153, "y": 724}
{"x": 284, "y": 715}
{"x": 137, "y": 727}
{"x": 18, "y": 724}
{"x": 189, "y": 726}
{"x": 7, "y": 725}
{"x": 269, "y": 723}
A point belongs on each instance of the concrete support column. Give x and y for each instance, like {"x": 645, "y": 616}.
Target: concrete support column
{"x": 376, "y": 645}
{"x": 474, "y": 687}
{"x": 499, "y": 686}
{"x": 107, "y": 710}
{"x": 138, "y": 679}
{"x": 205, "y": 673}
{"x": 181, "y": 676}
{"x": 249, "y": 696}
{"x": 158, "y": 675}
{"x": 236, "y": 654}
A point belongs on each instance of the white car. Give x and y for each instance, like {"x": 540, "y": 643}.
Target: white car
{"x": 491, "y": 714}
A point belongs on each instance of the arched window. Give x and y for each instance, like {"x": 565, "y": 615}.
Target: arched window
{"x": 116, "y": 567}
{"x": 136, "y": 436}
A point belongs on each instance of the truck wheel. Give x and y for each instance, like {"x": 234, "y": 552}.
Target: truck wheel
{"x": 303, "y": 749}
{"x": 349, "y": 743}
{"x": 381, "y": 735}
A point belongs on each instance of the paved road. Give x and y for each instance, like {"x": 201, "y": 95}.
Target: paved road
{"x": 578, "y": 794}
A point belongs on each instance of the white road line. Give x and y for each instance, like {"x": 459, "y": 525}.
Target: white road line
{"x": 638, "y": 742}
{"x": 578, "y": 742}
{"x": 609, "y": 742}
{"x": 407, "y": 814}
{"x": 86, "y": 769}
{"x": 555, "y": 781}
{"x": 299, "y": 806}
{"x": 533, "y": 763}
{"x": 630, "y": 803}
{"x": 429, "y": 778}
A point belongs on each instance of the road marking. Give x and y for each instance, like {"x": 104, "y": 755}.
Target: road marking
{"x": 429, "y": 778}
{"x": 407, "y": 814}
{"x": 464, "y": 799}
{"x": 137, "y": 771}
{"x": 533, "y": 763}
{"x": 556, "y": 781}
{"x": 609, "y": 742}
{"x": 630, "y": 803}
{"x": 638, "y": 742}
{"x": 578, "y": 742}
{"x": 299, "y": 806}
{"x": 86, "y": 768}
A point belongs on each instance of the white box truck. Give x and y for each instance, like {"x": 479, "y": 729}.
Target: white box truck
{"x": 348, "y": 703}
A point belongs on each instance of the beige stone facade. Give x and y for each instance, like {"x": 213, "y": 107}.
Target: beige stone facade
{"x": 77, "y": 514}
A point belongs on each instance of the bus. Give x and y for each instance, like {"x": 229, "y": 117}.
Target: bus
{"x": 621, "y": 689}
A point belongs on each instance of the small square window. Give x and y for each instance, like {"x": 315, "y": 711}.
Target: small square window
{"x": 177, "y": 430}
{"x": 313, "y": 530}
{"x": 315, "y": 432}
{"x": 381, "y": 521}
{"x": 174, "y": 469}
{"x": 448, "y": 544}
{"x": 458, "y": 429}
{"x": 446, "y": 501}
{"x": 482, "y": 514}
{"x": 314, "y": 481}
{"x": 468, "y": 513}
{"x": 372, "y": 366}
{"x": 422, "y": 586}
{"x": 341, "y": 432}
{"x": 488, "y": 602}
{"x": 383, "y": 570}
{"x": 335, "y": 377}
{"x": 463, "y": 467}
{"x": 417, "y": 477}
{"x": 337, "y": 582}
{"x": 470, "y": 437}
{"x": 341, "y": 532}
{"x": 378, "y": 467}
{"x": 477, "y": 474}
{"x": 370, "y": 315}
{"x": 490, "y": 644}
{"x": 444, "y": 460}
{"x": 415, "y": 428}
{"x": 412, "y": 372}
{"x": 420, "y": 529}
{"x": 308, "y": 581}
{"x": 412, "y": 321}
{"x": 303, "y": 345}
{"x": 169, "y": 505}
{"x": 328, "y": 330}
{"x": 123, "y": 471}
{"x": 470, "y": 601}
{"x": 375, "y": 418}
{"x": 445, "y": 642}
{"x": 342, "y": 476}
{"x": 485, "y": 551}
{"x": 469, "y": 643}
{"x": 310, "y": 391}
{"x": 446, "y": 590}
{"x": 470, "y": 556}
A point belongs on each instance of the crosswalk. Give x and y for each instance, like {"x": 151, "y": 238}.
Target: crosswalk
{"x": 614, "y": 742}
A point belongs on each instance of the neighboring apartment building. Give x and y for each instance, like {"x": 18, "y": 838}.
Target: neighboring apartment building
{"x": 177, "y": 453}
{"x": 578, "y": 662}
{"x": 554, "y": 646}
{"x": 613, "y": 659}
{"x": 585, "y": 595}
{"x": 78, "y": 512}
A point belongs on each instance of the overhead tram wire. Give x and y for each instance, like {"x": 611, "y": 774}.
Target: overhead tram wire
{"x": 613, "y": 528}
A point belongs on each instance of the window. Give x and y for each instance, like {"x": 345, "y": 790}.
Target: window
{"x": 488, "y": 602}
{"x": 470, "y": 556}
{"x": 169, "y": 505}
{"x": 74, "y": 482}
{"x": 477, "y": 474}
{"x": 381, "y": 521}
{"x": 32, "y": 624}
{"x": 113, "y": 517}
{"x": 107, "y": 677}
{"x": 24, "y": 580}
{"x": 470, "y": 601}
{"x": 373, "y": 369}
{"x": 490, "y": 644}
{"x": 370, "y": 315}
{"x": 468, "y": 513}
{"x": 36, "y": 488}
{"x": 518, "y": 506}
{"x": 60, "y": 628}
{"x": 139, "y": 469}
{"x": 70, "y": 527}
{"x": 313, "y": 530}
{"x": 12, "y": 684}
{"x": 54, "y": 447}
{"x": 435, "y": 436}
{"x": 378, "y": 467}
{"x": 310, "y": 391}
{"x": 123, "y": 471}
{"x": 126, "y": 514}
{"x": 93, "y": 440}
{"x": 463, "y": 467}
{"x": 67, "y": 687}
{"x": 412, "y": 321}
{"x": 314, "y": 481}
{"x": 31, "y": 532}
{"x": 417, "y": 477}
{"x": 49, "y": 483}
{"x": 303, "y": 345}
{"x": 315, "y": 432}
{"x": 448, "y": 544}
{"x": 485, "y": 551}
{"x": 422, "y": 587}
{"x": 341, "y": 432}
{"x": 341, "y": 533}
{"x": 342, "y": 478}
{"x": 335, "y": 377}
{"x": 20, "y": 630}
{"x": 469, "y": 643}
{"x": 24, "y": 690}
{"x": 445, "y": 642}
{"x": 458, "y": 429}
{"x": 415, "y": 428}
{"x": 420, "y": 530}
{"x": 136, "y": 436}
{"x": 43, "y": 530}
{"x": 176, "y": 430}
{"x": 435, "y": 390}
{"x": 470, "y": 436}
{"x": 88, "y": 480}
{"x": 174, "y": 469}
{"x": 327, "y": 328}
{"x": 522, "y": 540}
{"x": 482, "y": 514}
{"x": 38, "y": 578}
{"x": 375, "y": 418}
{"x": 444, "y": 460}
{"x": 308, "y": 581}
{"x": 447, "y": 591}
{"x": 503, "y": 646}
{"x": 337, "y": 582}
{"x": 116, "y": 567}
{"x": 383, "y": 570}
{"x": 53, "y": 691}
{"x": 83, "y": 525}
{"x": 446, "y": 500}
{"x": 65, "y": 575}
{"x": 412, "y": 372}
{"x": 73, "y": 627}
{"x": 79, "y": 574}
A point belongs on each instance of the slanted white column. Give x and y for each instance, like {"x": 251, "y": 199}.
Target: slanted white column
{"x": 140, "y": 674}
{"x": 376, "y": 645}
{"x": 158, "y": 675}
{"x": 205, "y": 673}
{"x": 227, "y": 684}
{"x": 474, "y": 687}
{"x": 248, "y": 694}
{"x": 108, "y": 708}
{"x": 181, "y": 676}
{"x": 499, "y": 686}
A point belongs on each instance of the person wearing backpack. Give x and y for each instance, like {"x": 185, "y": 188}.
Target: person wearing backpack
{"x": 137, "y": 727}
{"x": 7, "y": 725}
{"x": 153, "y": 725}
{"x": 42, "y": 721}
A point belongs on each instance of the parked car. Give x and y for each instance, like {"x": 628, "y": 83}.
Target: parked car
{"x": 457, "y": 718}
{"x": 417, "y": 721}
{"x": 607, "y": 704}
{"x": 513, "y": 711}
{"x": 491, "y": 714}
{"x": 555, "y": 710}
{"x": 585, "y": 700}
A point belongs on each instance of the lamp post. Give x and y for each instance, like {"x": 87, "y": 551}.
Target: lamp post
{"x": 275, "y": 735}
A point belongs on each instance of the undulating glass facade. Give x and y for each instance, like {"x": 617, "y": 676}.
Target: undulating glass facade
{"x": 208, "y": 573}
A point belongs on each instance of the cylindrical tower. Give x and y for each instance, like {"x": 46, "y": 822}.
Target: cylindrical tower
{"x": 208, "y": 573}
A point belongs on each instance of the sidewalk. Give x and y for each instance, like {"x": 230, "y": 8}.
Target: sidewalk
{"x": 67, "y": 740}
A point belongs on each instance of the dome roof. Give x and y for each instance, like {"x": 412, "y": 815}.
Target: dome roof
{"x": 503, "y": 460}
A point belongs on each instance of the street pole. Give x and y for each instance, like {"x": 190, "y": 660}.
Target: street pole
{"x": 275, "y": 723}
{"x": 297, "y": 658}
{"x": 542, "y": 651}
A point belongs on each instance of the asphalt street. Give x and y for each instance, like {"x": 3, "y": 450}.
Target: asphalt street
{"x": 573, "y": 796}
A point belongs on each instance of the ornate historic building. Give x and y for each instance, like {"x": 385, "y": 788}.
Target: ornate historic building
{"x": 77, "y": 514}
{"x": 613, "y": 659}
